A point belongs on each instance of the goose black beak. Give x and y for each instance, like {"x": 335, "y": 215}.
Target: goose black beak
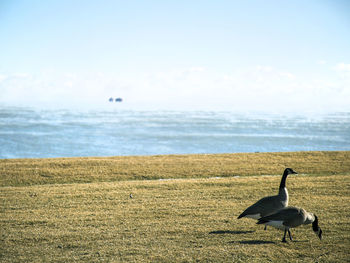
{"x": 319, "y": 233}
{"x": 316, "y": 228}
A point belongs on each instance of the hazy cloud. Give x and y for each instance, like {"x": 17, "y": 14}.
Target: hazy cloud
{"x": 2, "y": 77}
{"x": 342, "y": 67}
{"x": 256, "y": 88}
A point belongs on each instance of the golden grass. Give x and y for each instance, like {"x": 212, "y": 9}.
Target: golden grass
{"x": 108, "y": 169}
{"x": 183, "y": 220}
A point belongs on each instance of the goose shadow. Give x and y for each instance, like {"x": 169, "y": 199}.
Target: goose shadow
{"x": 252, "y": 242}
{"x": 221, "y": 232}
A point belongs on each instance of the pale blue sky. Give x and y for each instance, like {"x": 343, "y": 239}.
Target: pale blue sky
{"x": 231, "y": 55}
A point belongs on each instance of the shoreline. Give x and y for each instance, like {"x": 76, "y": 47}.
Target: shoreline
{"x": 169, "y": 155}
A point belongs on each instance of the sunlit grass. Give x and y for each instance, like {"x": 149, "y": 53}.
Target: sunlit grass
{"x": 183, "y": 220}
{"x": 107, "y": 169}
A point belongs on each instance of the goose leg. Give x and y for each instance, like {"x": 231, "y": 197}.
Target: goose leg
{"x": 284, "y": 237}
{"x": 265, "y": 227}
{"x": 290, "y": 236}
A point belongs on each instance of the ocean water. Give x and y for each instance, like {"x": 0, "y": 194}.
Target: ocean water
{"x": 31, "y": 133}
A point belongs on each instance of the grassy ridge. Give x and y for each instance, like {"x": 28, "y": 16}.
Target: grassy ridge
{"x": 79, "y": 209}
{"x": 16, "y": 172}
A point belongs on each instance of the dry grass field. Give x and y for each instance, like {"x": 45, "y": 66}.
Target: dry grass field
{"x": 183, "y": 208}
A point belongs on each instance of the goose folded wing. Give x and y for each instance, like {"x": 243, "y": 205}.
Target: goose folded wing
{"x": 290, "y": 217}
{"x": 265, "y": 206}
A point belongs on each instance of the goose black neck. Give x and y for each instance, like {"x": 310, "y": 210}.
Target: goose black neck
{"x": 283, "y": 181}
{"x": 315, "y": 224}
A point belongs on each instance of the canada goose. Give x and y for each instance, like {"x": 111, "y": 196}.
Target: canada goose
{"x": 290, "y": 217}
{"x": 270, "y": 204}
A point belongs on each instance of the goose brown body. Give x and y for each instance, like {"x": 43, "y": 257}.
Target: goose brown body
{"x": 290, "y": 217}
{"x": 270, "y": 204}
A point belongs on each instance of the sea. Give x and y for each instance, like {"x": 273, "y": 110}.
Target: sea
{"x": 38, "y": 133}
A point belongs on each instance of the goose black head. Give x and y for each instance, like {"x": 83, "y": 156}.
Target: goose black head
{"x": 289, "y": 171}
{"x": 316, "y": 228}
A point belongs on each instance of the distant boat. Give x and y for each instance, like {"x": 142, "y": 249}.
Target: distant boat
{"x": 116, "y": 100}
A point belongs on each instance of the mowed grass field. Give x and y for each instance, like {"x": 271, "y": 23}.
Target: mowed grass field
{"x": 183, "y": 208}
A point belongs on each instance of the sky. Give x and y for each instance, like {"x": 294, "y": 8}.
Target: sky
{"x": 253, "y": 55}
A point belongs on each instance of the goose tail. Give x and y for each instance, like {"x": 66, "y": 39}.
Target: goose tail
{"x": 241, "y": 215}
{"x": 262, "y": 221}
